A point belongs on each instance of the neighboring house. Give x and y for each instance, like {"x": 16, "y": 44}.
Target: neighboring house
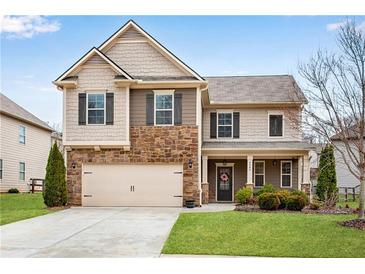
{"x": 344, "y": 177}
{"x": 24, "y": 147}
{"x": 141, "y": 128}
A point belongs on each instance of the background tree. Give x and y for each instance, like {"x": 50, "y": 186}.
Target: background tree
{"x": 336, "y": 92}
{"x": 327, "y": 183}
{"x": 55, "y": 192}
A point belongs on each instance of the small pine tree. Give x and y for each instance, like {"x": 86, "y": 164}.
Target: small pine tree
{"x": 55, "y": 192}
{"x": 327, "y": 183}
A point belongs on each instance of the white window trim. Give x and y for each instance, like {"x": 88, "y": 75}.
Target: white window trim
{"x": 163, "y": 92}
{"x": 216, "y": 179}
{"x": 254, "y": 173}
{"x": 87, "y": 106}
{"x": 21, "y": 172}
{"x": 268, "y": 124}
{"x": 281, "y": 174}
{"x": 225, "y": 112}
{"x": 22, "y": 126}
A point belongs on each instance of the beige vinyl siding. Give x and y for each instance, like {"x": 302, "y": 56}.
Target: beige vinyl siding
{"x": 92, "y": 79}
{"x": 138, "y": 106}
{"x": 254, "y": 126}
{"x": 95, "y": 60}
{"x": 272, "y": 174}
{"x": 34, "y": 153}
{"x": 132, "y": 52}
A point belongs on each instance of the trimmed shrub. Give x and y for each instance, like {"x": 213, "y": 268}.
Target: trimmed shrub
{"x": 295, "y": 203}
{"x": 327, "y": 182}
{"x": 252, "y": 200}
{"x": 302, "y": 194}
{"x": 55, "y": 192}
{"x": 269, "y": 201}
{"x": 267, "y": 188}
{"x": 283, "y": 196}
{"x": 243, "y": 194}
{"x": 13, "y": 190}
{"x": 314, "y": 205}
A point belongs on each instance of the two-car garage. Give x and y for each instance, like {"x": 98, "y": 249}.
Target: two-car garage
{"x": 132, "y": 185}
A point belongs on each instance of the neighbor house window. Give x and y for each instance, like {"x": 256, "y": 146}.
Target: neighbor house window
{"x": 22, "y": 134}
{"x": 164, "y": 108}
{"x": 225, "y": 125}
{"x": 259, "y": 173}
{"x": 276, "y": 125}
{"x": 286, "y": 173}
{"x": 1, "y": 168}
{"x": 96, "y": 108}
{"x": 21, "y": 171}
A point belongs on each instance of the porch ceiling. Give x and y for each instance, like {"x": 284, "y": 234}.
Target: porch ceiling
{"x": 256, "y": 148}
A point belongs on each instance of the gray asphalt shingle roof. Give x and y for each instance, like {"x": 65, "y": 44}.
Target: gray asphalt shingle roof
{"x": 9, "y": 107}
{"x": 254, "y": 89}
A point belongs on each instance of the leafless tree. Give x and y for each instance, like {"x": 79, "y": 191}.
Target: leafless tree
{"x": 336, "y": 93}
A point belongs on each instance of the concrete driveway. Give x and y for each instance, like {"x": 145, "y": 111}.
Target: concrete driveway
{"x": 90, "y": 232}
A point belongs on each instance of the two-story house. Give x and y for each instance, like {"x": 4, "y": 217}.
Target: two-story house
{"x": 25, "y": 141}
{"x": 141, "y": 128}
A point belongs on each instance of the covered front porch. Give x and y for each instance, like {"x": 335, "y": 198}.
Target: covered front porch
{"x": 225, "y": 171}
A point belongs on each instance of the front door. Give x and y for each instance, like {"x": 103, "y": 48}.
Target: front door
{"x": 224, "y": 184}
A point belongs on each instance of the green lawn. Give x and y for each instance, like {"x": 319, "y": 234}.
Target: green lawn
{"x": 264, "y": 234}
{"x": 16, "y": 207}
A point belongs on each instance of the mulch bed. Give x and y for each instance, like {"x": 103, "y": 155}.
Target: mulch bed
{"x": 306, "y": 210}
{"x": 357, "y": 223}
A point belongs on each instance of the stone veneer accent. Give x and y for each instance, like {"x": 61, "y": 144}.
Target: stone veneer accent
{"x": 205, "y": 193}
{"x": 149, "y": 144}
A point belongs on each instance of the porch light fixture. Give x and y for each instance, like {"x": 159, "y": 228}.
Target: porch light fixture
{"x": 190, "y": 163}
{"x": 73, "y": 165}
{"x": 274, "y": 162}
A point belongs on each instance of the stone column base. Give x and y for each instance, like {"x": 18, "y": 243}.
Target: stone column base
{"x": 205, "y": 193}
{"x": 306, "y": 187}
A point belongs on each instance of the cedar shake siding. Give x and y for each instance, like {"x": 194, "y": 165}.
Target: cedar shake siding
{"x": 138, "y": 106}
{"x": 95, "y": 79}
{"x": 272, "y": 174}
{"x": 132, "y": 52}
{"x": 254, "y": 125}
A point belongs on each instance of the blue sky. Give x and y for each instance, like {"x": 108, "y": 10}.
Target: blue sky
{"x": 35, "y": 51}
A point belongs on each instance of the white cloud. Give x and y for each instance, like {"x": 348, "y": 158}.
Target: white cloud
{"x": 337, "y": 25}
{"x": 27, "y": 26}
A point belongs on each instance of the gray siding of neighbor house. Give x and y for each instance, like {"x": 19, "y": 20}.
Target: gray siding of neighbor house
{"x": 272, "y": 174}
{"x": 138, "y": 106}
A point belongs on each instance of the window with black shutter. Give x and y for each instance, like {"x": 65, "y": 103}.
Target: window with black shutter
{"x": 276, "y": 125}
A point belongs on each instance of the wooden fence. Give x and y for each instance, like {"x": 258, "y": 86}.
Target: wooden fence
{"x": 34, "y": 182}
{"x": 349, "y": 191}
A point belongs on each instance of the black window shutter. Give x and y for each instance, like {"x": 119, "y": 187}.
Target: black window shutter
{"x": 236, "y": 125}
{"x": 213, "y": 125}
{"x": 150, "y": 109}
{"x": 109, "y": 119}
{"x": 178, "y": 108}
{"x": 82, "y": 108}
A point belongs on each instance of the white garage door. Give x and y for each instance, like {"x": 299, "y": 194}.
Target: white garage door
{"x": 132, "y": 185}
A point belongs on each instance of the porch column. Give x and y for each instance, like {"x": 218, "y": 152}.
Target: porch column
{"x": 300, "y": 171}
{"x": 306, "y": 184}
{"x": 249, "y": 171}
{"x": 205, "y": 184}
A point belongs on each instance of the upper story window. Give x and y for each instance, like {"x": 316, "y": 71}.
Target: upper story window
{"x": 276, "y": 125}
{"x": 21, "y": 171}
{"x": 164, "y": 107}
{"x": 96, "y": 108}
{"x": 21, "y": 134}
{"x": 286, "y": 173}
{"x": 1, "y": 169}
{"x": 259, "y": 173}
{"x": 225, "y": 125}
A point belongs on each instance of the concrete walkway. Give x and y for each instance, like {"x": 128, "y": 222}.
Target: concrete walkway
{"x": 90, "y": 232}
